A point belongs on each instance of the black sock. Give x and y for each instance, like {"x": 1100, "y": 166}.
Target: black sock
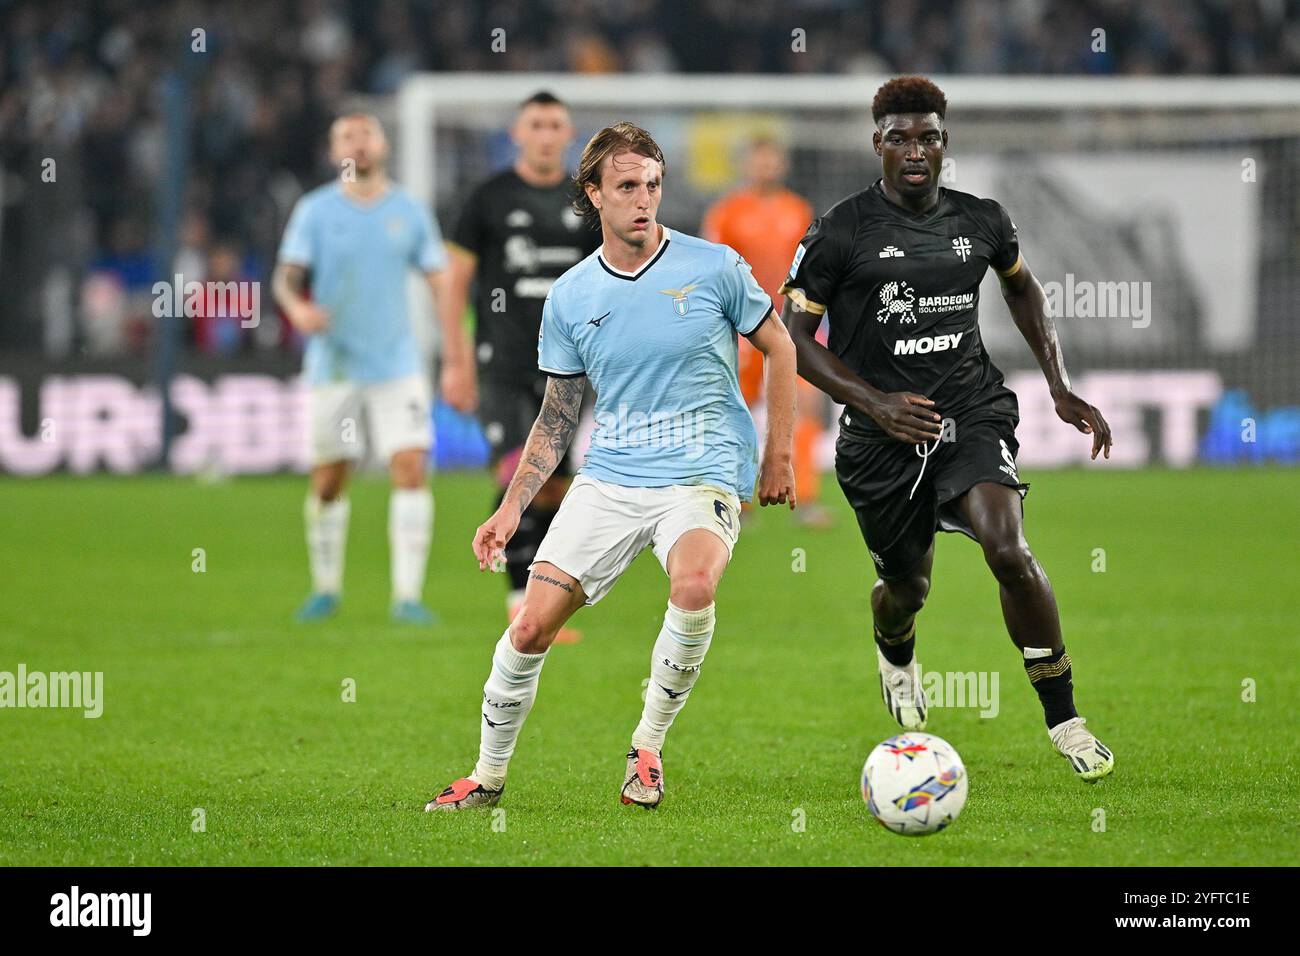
{"x": 1052, "y": 678}
{"x": 898, "y": 648}
{"x": 523, "y": 546}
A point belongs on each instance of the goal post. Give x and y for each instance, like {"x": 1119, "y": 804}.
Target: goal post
{"x": 424, "y": 98}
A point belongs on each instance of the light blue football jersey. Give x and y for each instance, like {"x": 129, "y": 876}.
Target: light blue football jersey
{"x": 360, "y": 257}
{"x": 659, "y": 347}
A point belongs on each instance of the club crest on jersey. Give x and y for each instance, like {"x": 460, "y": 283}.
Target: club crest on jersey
{"x": 961, "y": 246}
{"x": 680, "y": 305}
{"x": 897, "y": 298}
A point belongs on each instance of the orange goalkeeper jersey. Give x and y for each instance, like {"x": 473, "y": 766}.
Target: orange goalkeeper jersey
{"x": 765, "y": 229}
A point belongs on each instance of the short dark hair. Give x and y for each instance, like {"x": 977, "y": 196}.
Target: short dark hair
{"x": 543, "y": 98}
{"x": 610, "y": 141}
{"x": 908, "y": 94}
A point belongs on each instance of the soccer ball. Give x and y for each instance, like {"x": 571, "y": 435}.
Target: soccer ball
{"x": 914, "y": 784}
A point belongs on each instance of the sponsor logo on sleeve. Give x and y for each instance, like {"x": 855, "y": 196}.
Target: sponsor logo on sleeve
{"x": 798, "y": 258}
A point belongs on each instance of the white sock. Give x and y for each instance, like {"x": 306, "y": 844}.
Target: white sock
{"x": 327, "y": 541}
{"x": 410, "y": 529}
{"x": 508, "y": 696}
{"x": 679, "y": 652}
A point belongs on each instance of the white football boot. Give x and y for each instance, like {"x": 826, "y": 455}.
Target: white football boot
{"x": 464, "y": 794}
{"x": 1089, "y": 757}
{"x": 643, "y": 784}
{"x": 900, "y": 688}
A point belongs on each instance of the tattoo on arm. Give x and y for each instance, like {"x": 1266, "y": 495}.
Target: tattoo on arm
{"x": 549, "y": 438}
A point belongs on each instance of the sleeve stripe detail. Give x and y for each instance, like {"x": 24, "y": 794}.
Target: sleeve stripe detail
{"x": 558, "y": 374}
{"x": 759, "y": 324}
{"x": 805, "y": 304}
{"x": 1007, "y": 273}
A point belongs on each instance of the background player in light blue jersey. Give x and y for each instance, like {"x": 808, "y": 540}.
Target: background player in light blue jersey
{"x": 651, "y": 319}
{"x": 354, "y": 242}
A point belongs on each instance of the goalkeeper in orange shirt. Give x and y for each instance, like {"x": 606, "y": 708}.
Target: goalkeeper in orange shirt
{"x": 764, "y": 222}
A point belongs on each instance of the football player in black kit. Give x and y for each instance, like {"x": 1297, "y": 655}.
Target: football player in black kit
{"x": 518, "y": 233}
{"x": 927, "y": 439}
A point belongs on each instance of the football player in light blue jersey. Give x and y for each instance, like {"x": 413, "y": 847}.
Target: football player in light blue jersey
{"x": 355, "y": 241}
{"x": 651, "y": 319}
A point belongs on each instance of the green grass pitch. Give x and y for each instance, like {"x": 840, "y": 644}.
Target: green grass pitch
{"x": 215, "y": 700}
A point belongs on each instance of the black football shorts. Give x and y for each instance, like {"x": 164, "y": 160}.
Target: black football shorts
{"x": 506, "y": 411}
{"x": 899, "y": 506}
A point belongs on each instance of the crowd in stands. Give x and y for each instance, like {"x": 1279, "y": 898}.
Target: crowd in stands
{"x": 82, "y": 84}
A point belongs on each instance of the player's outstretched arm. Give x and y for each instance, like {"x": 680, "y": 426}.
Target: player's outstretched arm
{"x": 1028, "y": 304}
{"x": 547, "y": 442}
{"x": 903, "y": 415}
{"x": 458, "y": 381}
{"x": 776, "y": 476}
{"x": 289, "y": 286}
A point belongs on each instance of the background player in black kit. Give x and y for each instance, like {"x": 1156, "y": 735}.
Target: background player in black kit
{"x": 518, "y": 233}
{"x": 927, "y": 438}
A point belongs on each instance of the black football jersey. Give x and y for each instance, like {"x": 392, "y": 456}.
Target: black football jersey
{"x": 525, "y": 237}
{"x": 901, "y": 294}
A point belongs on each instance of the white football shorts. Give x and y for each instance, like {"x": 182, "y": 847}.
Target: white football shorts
{"x": 391, "y": 416}
{"x": 601, "y": 527}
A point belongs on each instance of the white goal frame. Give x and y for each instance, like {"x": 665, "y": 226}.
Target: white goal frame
{"x": 422, "y": 95}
